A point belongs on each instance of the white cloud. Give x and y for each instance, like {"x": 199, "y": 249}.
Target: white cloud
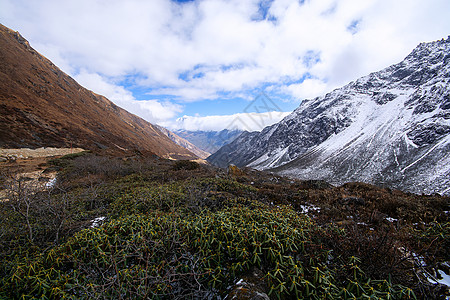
{"x": 204, "y": 49}
{"x": 308, "y": 89}
{"x": 99, "y": 85}
{"x": 153, "y": 111}
{"x": 243, "y": 121}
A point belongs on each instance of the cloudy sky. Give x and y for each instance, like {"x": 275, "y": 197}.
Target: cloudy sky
{"x": 201, "y": 64}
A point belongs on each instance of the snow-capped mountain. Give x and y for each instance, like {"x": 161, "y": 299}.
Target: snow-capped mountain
{"x": 391, "y": 128}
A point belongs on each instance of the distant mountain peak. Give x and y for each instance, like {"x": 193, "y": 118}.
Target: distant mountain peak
{"x": 208, "y": 140}
{"x": 184, "y": 143}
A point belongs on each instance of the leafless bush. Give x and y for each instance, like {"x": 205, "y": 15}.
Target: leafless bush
{"x": 35, "y": 213}
{"x": 21, "y": 197}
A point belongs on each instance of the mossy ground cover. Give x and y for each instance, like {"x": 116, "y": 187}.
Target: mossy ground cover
{"x": 179, "y": 230}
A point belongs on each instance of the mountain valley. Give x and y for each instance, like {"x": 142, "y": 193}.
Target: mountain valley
{"x": 105, "y": 205}
{"x": 210, "y": 141}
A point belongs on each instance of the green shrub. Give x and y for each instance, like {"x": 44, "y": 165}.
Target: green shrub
{"x": 145, "y": 199}
{"x": 224, "y": 185}
{"x": 180, "y": 233}
{"x": 167, "y": 255}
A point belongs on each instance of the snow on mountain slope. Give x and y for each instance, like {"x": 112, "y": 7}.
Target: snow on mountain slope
{"x": 390, "y": 128}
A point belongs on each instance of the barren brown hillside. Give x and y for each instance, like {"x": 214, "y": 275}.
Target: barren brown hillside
{"x": 41, "y": 106}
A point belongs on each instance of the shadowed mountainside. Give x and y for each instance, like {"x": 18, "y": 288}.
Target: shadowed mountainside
{"x": 41, "y": 106}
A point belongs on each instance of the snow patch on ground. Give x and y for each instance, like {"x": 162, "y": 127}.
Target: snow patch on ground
{"x": 305, "y": 209}
{"x": 445, "y": 279}
{"x": 97, "y": 222}
{"x": 421, "y": 264}
{"x": 51, "y": 183}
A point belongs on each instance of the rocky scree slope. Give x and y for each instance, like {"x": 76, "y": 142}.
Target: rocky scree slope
{"x": 389, "y": 128}
{"x": 41, "y": 106}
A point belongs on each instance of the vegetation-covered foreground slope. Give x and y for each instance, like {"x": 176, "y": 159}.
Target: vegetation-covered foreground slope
{"x": 112, "y": 229}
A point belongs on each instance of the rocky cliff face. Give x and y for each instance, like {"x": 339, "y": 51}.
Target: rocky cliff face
{"x": 391, "y": 128}
{"x": 41, "y": 106}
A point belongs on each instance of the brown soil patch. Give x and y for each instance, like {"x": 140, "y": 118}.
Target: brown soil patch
{"x": 26, "y": 160}
{"x": 39, "y": 152}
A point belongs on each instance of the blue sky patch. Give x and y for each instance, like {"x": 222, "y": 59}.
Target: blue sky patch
{"x": 354, "y": 26}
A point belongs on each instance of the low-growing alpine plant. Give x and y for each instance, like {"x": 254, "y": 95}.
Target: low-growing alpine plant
{"x": 194, "y": 238}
